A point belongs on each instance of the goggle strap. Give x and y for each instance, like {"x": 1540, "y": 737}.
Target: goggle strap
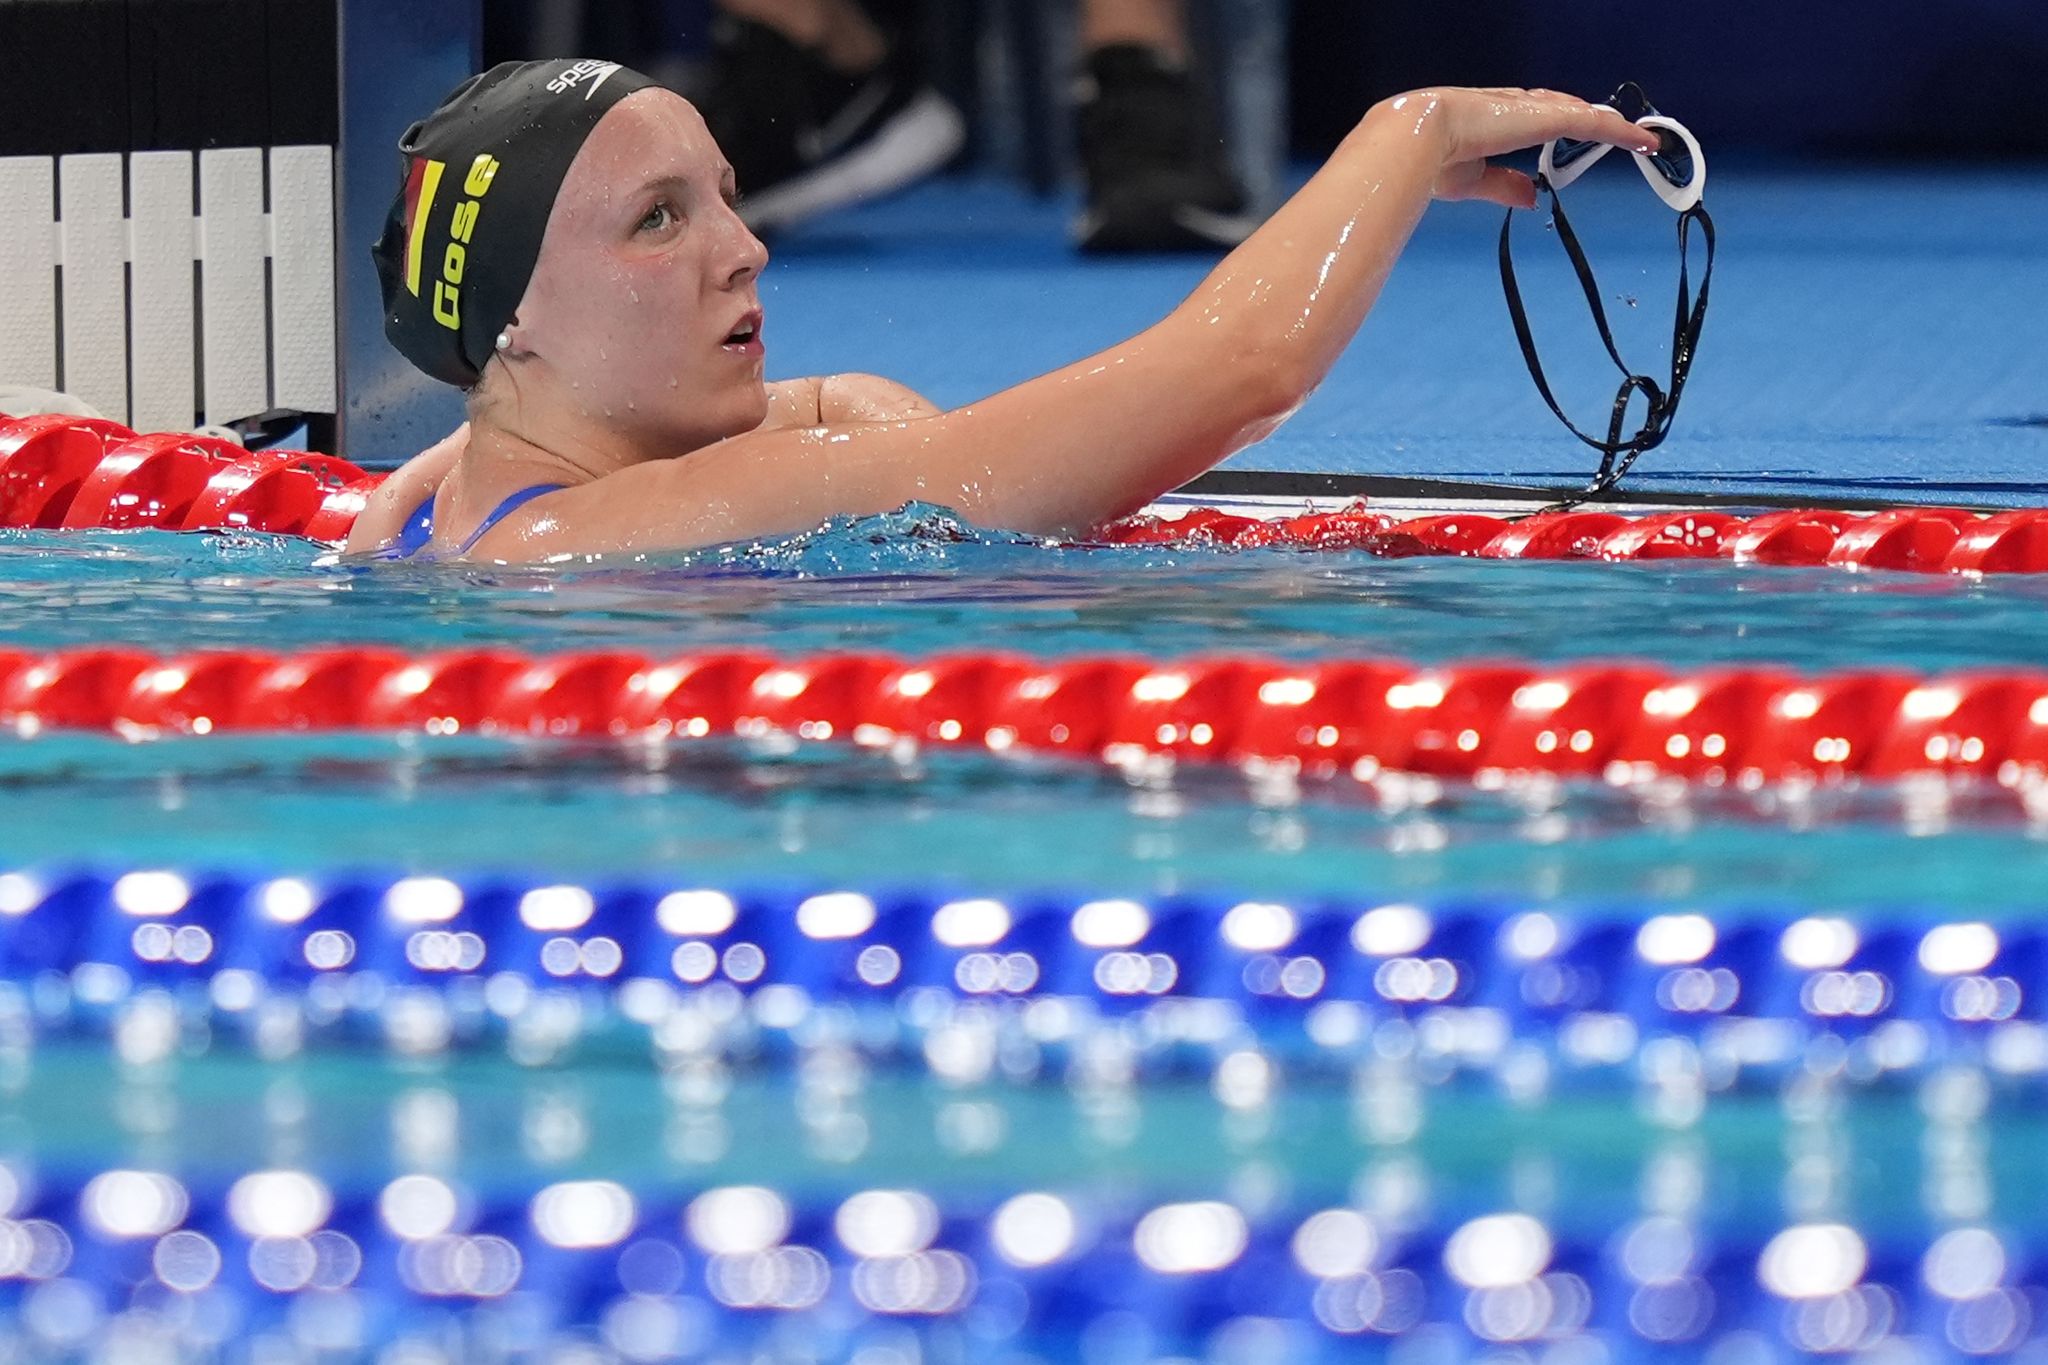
{"x": 1685, "y": 333}
{"x": 1591, "y": 287}
{"x": 1617, "y": 454}
{"x": 1518, "y": 313}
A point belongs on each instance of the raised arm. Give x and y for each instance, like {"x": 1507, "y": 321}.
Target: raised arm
{"x": 1067, "y": 451}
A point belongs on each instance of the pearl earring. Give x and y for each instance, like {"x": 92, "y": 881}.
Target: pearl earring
{"x": 504, "y": 341}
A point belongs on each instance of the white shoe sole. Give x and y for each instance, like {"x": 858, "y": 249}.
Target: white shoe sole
{"x": 925, "y": 136}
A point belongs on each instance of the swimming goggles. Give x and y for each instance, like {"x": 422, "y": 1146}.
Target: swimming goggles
{"x": 1677, "y": 171}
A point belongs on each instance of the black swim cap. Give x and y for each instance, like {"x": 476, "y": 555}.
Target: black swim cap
{"x": 478, "y": 178}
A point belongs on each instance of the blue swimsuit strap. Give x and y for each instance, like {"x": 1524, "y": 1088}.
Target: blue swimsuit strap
{"x": 414, "y": 535}
{"x": 506, "y": 509}
{"x": 419, "y": 527}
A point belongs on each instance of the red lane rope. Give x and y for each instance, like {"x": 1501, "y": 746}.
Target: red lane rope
{"x": 77, "y": 472}
{"x": 1927, "y": 539}
{"x": 1623, "y": 722}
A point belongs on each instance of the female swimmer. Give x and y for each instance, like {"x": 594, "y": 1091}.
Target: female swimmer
{"x": 565, "y": 248}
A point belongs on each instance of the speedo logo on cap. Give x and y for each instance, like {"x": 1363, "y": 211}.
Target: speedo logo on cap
{"x": 597, "y": 73}
{"x": 422, "y": 185}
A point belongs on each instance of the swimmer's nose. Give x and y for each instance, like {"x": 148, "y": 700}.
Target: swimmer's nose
{"x": 757, "y": 255}
{"x": 752, "y": 257}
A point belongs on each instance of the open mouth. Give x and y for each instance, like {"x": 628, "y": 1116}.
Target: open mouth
{"x": 746, "y": 334}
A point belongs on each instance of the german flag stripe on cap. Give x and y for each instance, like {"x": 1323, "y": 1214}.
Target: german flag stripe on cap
{"x": 420, "y": 188}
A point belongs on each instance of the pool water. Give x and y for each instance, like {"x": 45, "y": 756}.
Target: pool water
{"x": 921, "y": 584}
{"x": 501, "y": 1128}
{"x": 1118, "y": 1114}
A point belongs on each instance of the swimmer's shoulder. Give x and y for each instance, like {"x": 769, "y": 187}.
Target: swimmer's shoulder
{"x": 762, "y": 483}
{"x": 644, "y": 507}
{"x": 398, "y": 499}
{"x": 831, "y": 398}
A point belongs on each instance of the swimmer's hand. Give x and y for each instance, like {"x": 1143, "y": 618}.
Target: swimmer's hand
{"x": 1472, "y": 125}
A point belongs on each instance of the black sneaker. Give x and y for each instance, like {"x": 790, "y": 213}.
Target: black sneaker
{"x": 805, "y": 139}
{"x": 1153, "y": 157}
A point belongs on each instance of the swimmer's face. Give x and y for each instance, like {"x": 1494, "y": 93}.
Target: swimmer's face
{"x": 645, "y": 287}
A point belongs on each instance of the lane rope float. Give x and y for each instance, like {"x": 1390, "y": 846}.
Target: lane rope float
{"x": 1311, "y": 977}
{"x": 1623, "y": 723}
{"x": 330, "y": 1264}
{"x": 62, "y": 472}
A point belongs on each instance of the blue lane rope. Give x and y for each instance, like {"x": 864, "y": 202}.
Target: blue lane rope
{"x": 331, "y": 1272}
{"x": 1754, "y": 986}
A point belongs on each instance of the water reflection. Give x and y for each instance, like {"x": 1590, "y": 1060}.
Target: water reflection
{"x": 918, "y": 582}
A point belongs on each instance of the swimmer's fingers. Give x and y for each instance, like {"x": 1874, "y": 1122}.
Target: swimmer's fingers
{"x": 1547, "y": 117}
{"x": 1483, "y": 123}
{"x": 1495, "y": 122}
{"x": 1604, "y": 123}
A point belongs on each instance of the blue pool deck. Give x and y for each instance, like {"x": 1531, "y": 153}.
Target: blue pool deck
{"x": 1875, "y": 333}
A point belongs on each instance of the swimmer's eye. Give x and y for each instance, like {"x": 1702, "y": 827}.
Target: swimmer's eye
{"x": 659, "y": 217}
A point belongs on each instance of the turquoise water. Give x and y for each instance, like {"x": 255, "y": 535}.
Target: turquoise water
{"x": 357, "y": 1121}
{"x": 921, "y": 584}
{"x": 915, "y": 585}
{"x": 723, "y": 817}
{"x": 845, "y": 1102}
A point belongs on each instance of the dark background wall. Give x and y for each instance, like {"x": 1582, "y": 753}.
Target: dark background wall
{"x": 1888, "y": 78}
{"x": 165, "y": 75}
{"x": 1834, "y": 77}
